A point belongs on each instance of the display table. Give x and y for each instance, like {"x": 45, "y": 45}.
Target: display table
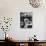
{"x": 27, "y": 42}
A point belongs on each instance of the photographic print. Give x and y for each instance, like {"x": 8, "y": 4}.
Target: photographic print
{"x": 25, "y": 19}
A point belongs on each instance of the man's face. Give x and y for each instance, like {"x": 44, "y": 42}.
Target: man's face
{"x": 26, "y": 21}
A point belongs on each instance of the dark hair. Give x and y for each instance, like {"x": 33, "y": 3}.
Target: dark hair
{"x": 34, "y": 35}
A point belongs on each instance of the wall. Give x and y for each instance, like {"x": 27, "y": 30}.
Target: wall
{"x": 12, "y": 8}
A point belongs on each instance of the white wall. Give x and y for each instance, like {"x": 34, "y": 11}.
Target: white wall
{"x": 12, "y": 8}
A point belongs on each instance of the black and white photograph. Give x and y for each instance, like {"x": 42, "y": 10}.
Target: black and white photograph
{"x": 25, "y": 19}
